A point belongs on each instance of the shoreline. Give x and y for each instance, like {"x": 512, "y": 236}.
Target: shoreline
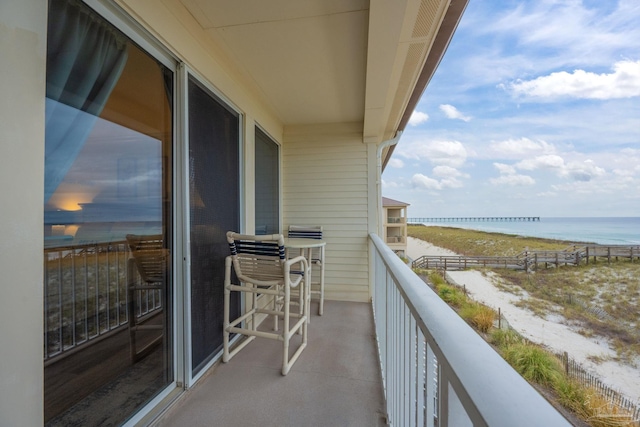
{"x": 551, "y": 332}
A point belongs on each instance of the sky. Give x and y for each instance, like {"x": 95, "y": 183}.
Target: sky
{"x": 533, "y": 111}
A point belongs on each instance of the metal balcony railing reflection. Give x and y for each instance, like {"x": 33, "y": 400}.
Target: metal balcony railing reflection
{"x": 85, "y": 295}
{"x": 436, "y": 370}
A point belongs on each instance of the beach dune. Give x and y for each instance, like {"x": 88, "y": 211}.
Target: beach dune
{"x": 551, "y": 332}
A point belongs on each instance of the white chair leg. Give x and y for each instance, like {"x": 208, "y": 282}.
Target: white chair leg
{"x": 322, "y": 262}
{"x": 227, "y": 298}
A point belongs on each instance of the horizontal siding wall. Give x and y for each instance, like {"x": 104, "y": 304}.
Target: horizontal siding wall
{"x": 325, "y": 183}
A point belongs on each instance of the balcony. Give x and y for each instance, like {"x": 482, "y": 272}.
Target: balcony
{"x": 431, "y": 369}
{"x": 395, "y": 239}
{"x": 396, "y": 220}
{"x": 335, "y": 382}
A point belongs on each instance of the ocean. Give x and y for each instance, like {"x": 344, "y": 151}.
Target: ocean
{"x": 604, "y": 231}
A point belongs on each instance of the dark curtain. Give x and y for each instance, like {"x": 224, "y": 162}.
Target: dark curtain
{"x": 85, "y": 58}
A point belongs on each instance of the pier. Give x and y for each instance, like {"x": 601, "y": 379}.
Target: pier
{"x": 475, "y": 219}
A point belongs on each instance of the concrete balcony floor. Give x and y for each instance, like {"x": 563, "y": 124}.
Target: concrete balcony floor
{"x": 335, "y": 382}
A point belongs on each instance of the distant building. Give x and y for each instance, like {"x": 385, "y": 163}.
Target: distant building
{"x": 395, "y": 224}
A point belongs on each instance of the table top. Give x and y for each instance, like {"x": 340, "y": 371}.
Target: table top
{"x": 300, "y": 243}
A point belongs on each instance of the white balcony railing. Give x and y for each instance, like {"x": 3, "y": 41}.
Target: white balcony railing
{"x": 395, "y": 239}
{"x": 436, "y": 370}
{"x": 396, "y": 220}
{"x": 86, "y": 294}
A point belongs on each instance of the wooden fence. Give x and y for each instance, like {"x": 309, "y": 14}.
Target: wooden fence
{"x": 530, "y": 260}
{"x": 575, "y": 371}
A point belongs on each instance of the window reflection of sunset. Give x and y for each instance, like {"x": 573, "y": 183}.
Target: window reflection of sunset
{"x": 69, "y": 196}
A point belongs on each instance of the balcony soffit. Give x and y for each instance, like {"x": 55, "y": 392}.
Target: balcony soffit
{"x": 307, "y": 58}
{"x": 327, "y": 61}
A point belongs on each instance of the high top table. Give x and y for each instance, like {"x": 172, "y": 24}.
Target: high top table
{"x": 306, "y": 246}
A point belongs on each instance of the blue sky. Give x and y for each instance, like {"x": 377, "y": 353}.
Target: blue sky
{"x": 534, "y": 110}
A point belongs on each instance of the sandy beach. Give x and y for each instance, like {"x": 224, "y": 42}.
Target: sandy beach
{"x": 551, "y": 332}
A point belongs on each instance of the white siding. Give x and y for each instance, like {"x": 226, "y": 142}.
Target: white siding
{"x": 325, "y": 182}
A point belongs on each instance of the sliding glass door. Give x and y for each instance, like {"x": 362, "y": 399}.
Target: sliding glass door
{"x": 107, "y": 221}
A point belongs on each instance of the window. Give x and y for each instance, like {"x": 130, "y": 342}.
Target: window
{"x": 267, "y": 184}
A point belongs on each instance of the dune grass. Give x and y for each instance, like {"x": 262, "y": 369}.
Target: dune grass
{"x": 540, "y": 367}
{"x": 480, "y": 316}
{"x": 481, "y": 243}
{"x": 536, "y": 364}
{"x": 603, "y": 298}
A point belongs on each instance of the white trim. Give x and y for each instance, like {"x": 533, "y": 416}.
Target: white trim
{"x": 183, "y": 226}
{"x": 118, "y": 17}
{"x": 154, "y": 408}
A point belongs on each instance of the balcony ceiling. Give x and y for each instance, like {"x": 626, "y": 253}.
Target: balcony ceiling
{"x": 331, "y": 61}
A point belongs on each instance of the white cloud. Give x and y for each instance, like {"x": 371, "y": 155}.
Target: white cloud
{"x": 520, "y": 148}
{"x": 449, "y": 179}
{"x": 575, "y": 31}
{"x": 451, "y": 183}
{"x": 513, "y": 180}
{"x": 577, "y": 170}
{"x": 623, "y": 82}
{"x": 504, "y": 169}
{"x": 547, "y": 194}
{"x": 443, "y": 171}
{"x": 389, "y": 184}
{"x": 422, "y": 181}
{"x": 624, "y": 172}
{"x": 583, "y": 171}
{"x": 396, "y": 163}
{"x": 452, "y": 112}
{"x": 449, "y": 153}
{"x": 417, "y": 118}
{"x": 549, "y": 161}
{"x": 630, "y": 152}
{"x": 508, "y": 176}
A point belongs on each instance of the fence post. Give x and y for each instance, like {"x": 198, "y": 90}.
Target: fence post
{"x": 565, "y": 362}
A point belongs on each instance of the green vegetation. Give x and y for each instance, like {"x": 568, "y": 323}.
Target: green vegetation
{"x": 436, "y": 278}
{"x": 540, "y": 367}
{"x": 534, "y": 363}
{"x": 478, "y": 315}
{"x": 480, "y": 243}
{"x": 451, "y": 295}
{"x": 602, "y": 298}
